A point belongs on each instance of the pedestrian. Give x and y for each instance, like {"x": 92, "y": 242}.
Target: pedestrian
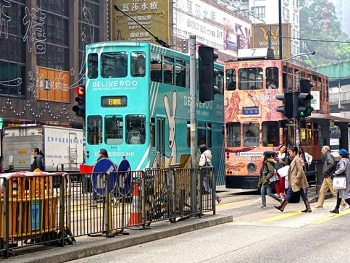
{"x": 306, "y": 158}
{"x": 329, "y": 167}
{"x": 205, "y": 161}
{"x": 343, "y": 169}
{"x": 297, "y": 181}
{"x": 266, "y": 172}
{"x": 281, "y": 161}
{"x": 124, "y": 176}
{"x": 102, "y": 154}
{"x": 38, "y": 162}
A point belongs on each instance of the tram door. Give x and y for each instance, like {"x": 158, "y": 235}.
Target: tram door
{"x": 158, "y": 141}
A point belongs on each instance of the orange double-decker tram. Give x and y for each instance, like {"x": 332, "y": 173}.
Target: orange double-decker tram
{"x": 252, "y": 124}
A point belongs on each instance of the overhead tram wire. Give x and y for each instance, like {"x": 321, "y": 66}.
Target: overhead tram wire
{"x": 319, "y": 40}
{"x": 158, "y": 40}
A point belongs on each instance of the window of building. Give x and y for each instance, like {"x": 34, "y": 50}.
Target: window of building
{"x": 113, "y": 129}
{"x": 259, "y": 11}
{"x": 233, "y": 134}
{"x": 250, "y": 78}
{"x": 114, "y": 65}
{"x": 94, "y": 130}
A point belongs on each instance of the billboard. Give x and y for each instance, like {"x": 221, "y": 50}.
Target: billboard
{"x": 152, "y": 15}
{"x": 260, "y": 38}
{"x": 52, "y": 85}
{"x": 212, "y": 24}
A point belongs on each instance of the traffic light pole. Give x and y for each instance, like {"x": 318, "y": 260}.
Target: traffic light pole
{"x": 193, "y": 120}
{"x": 297, "y": 131}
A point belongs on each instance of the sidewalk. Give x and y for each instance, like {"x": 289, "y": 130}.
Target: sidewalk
{"x": 88, "y": 246}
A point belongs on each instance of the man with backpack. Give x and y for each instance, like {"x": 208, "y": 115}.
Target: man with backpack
{"x": 329, "y": 167}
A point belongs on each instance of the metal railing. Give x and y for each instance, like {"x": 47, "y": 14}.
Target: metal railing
{"x": 55, "y": 208}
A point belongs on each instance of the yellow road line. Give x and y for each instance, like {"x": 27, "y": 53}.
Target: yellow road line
{"x": 281, "y": 216}
{"x": 330, "y": 216}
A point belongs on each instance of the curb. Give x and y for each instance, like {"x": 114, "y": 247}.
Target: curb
{"x": 83, "y": 249}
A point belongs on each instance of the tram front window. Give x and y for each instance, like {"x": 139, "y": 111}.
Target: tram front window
{"x": 94, "y": 130}
{"x": 251, "y": 134}
{"x": 135, "y": 131}
{"x": 114, "y": 65}
{"x": 113, "y": 129}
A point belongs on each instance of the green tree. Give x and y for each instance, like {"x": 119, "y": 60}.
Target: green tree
{"x": 320, "y": 31}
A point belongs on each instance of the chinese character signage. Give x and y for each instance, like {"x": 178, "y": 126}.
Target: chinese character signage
{"x": 152, "y": 15}
{"x": 52, "y": 84}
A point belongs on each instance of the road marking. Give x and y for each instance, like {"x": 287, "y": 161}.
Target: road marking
{"x": 281, "y": 216}
{"x": 330, "y": 217}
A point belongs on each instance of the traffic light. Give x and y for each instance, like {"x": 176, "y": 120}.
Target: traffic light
{"x": 207, "y": 58}
{"x": 79, "y": 109}
{"x": 288, "y": 108}
{"x": 304, "y": 99}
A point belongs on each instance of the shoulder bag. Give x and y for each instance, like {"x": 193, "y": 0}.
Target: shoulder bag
{"x": 339, "y": 182}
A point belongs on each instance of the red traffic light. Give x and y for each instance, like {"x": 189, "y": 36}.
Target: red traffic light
{"x": 80, "y": 91}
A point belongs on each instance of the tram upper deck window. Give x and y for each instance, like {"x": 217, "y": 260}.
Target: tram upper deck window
{"x": 135, "y": 129}
{"x": 231, "y": 80}
{"x": 138, "y": 65}
{"x": 272, "y": 78}
{"x": 219, "y": 82}
{"x": 168, "y": 68}
{"x": 92, "y": 71}
{"x": 114, "y": 65}
{"x": 181, "y": 74}
{"x": 156, "y": 67}
{"x": 250, "y": 78}
{"x": 113, "y": 129}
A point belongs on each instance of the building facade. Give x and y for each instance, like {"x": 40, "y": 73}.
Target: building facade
{"x": 42, "y": 57}
{"x": 341, "y": 9}
{"x": 262, "y": 12}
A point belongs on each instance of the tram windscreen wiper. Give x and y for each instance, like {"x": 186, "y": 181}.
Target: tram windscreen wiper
{"x": 159, "y": 41}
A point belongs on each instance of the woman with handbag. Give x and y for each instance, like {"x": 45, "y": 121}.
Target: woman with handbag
{"x": 343, "y": 170}
{"x": 281, "y": 158}
{"x": 296, "y": 180}
{"x": 266, "y": 173}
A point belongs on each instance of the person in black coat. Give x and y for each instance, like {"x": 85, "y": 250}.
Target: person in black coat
{"x": 38, "y": 162}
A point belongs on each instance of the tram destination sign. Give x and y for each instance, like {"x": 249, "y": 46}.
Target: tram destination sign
{"x": 114, "y": 101}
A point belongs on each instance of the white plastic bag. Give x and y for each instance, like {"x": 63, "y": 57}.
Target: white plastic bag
{"x": 283, "y": 172}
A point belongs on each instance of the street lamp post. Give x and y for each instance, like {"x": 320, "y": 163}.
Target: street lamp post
{"x": 302, "y": 54}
